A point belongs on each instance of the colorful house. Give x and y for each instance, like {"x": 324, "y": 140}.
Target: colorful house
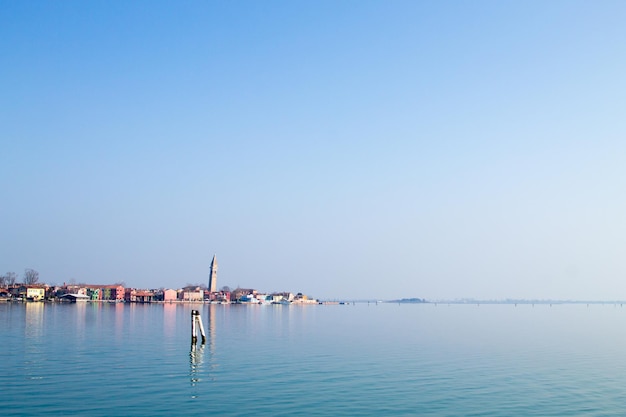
{"x": 35, "y": 293}
{"x": 169, "y": 295}
{"x": 192, "y": 295}
{"x": 138, "y": 296}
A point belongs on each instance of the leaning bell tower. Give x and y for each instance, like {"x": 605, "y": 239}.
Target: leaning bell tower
{"x": 213, "y": 275}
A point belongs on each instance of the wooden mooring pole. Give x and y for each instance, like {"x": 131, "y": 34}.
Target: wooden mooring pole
{"x": 196, "y": 320}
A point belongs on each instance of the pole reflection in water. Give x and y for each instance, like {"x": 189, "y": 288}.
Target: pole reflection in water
{"x": 196, "y": 360}
{"x": 196, "y": 355}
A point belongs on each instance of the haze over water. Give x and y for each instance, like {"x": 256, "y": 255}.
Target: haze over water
{"x": 385, "y": 359}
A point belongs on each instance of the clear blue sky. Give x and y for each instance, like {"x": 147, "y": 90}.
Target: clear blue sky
{"x": 344, "y": 149}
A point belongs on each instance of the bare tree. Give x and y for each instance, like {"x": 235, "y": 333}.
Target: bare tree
{"x": 201, "y": 286}
{"x": 9, "y": 278}
{"x": 31, "y": 276}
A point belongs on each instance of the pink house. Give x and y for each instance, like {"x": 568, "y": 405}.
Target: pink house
{"x": 169, "y": 295}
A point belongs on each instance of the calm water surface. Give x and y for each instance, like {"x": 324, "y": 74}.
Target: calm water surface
{"x": 386, "y": 359}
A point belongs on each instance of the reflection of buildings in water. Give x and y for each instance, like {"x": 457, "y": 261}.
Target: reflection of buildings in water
{"x": 211, "y": 327}
{"x": 212, "y": 335}
{"x": 34, "y": 319}
{"x": 132, "y": 314}
{"x": 119, "y": 320}
{"x": 35, "y": 342}
{"x": 169, "y": 320}
{"x": 79, "y": 316}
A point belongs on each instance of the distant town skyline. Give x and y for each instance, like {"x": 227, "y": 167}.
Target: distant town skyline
{"x": 348, "y": 149}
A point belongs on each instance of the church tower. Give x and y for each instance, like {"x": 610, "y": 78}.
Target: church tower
{"x": 213, "y": 276}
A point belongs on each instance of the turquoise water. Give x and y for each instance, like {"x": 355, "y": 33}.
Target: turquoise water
{"x": 385, "y": 359}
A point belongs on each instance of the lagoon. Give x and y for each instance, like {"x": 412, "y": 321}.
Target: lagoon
{"x": 100, "y": 359}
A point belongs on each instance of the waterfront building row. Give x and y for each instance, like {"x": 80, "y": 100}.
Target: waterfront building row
{"x": 119, "y": 293}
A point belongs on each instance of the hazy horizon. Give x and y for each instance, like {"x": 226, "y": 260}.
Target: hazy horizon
{"x": 353, "y": 149}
